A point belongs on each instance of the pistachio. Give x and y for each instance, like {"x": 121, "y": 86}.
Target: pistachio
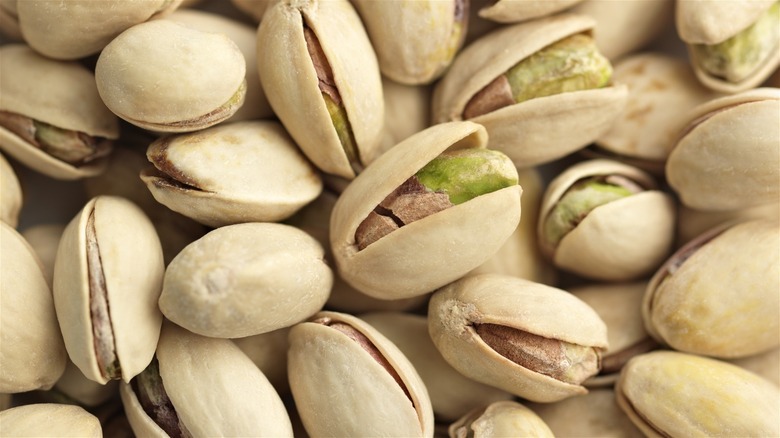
{"x": 48, "y": 419}
{"x": 11, "y": 195}
{"x": 9, "y": 20}
{"x": 149, "y": 389}
{"x": 500, "y": 419}
{"x": 510, "y": 11}
{"x": 78, "y": 389}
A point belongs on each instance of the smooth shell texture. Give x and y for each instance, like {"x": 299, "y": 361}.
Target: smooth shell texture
{"x": 517, "y": 303}
{"x": 9, "y": 20}
{"x": 76, "y": 29}
{"x": 75, "y": 386}
{"x": 452, "y": 394}
{"x": 433, "y": 251}
{"x": 165, "y": 76}
{"x": 723, "y": 300}
{"x": 290, "y": 80}
{"x": 407, "y": 111}
{"x": 729, "y": 155}
{"x": 49, "y": 420}
{"x": 667, "y": 393}
{"x": 512, "y": 11}
{"x": 620, "y": 240}
{"x": 501, "y": 419}
{"x": 239, "y": 172}
{"x": 340, "y": 390}
{"x": 691, "y": 223}
{"x": 132, "y": 264}
{"x": 712, "y": 22}
{"x": 269, "y": 352}
{"x": 764, "y": 364}
{"x": 595, "y": 414}
{"x": 538, "y": 130}
{"x": 662, "y": 92}
{"x": 412, "y": 38}
{"x": 45, "y": 239}
{"x": 11, "y": 195}
{"x": 246, "y": 279}
{"x": 62, "y": 94}
{"x": 32, "y": 355}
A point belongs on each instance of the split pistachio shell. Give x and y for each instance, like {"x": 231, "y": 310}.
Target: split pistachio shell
{"x": 435, "y": 250}
{"x": 535, "y": 341}
{"x": 198, "y": 175}
{"x": 11, "y": 195}
{"x": 513, "y": 11}
{"x": 47, "y": 419}
{"x": 500, "y": 419}
{"x": 452, "y": 394}
{"x": 668, "y": 393}
{"x": 622, "y": 239}
{"x": 717, "y": 295}
{"x": 107, "y": 279}
{"x": 165, "y": 76}
{"x": 541, "y": 129}
{"x": 349, "y": 380}
{"x": 75, "y": 29}
{"x": 415, "y": 40}
{"x": 59, "y": 94}
{"x": 45, "y": 239}
{"x": 344, "y": 143}
{"x": 728, "y": 156}
{"x": 214, "y": 389}
{"x": 708, "y": 22}
{"x": 246, "y": 279}
{"x": 32, "y": 355}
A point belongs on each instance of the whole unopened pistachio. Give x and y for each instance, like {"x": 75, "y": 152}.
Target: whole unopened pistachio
{"x": 513, "y": 11}
{"x": 717, "y": 295}
{"x": 349, "y": 380}
{"x": 606, "y": 220}
{"x": 500, "y": 419}
{"x": 535, "y": 341}
{"x": 198, "y": 174}
{"x": 51, "y": 115}
{"x": 11, "y": 195}
{"x": 332, "y": 106}
{"x": 165, "y": 76}
{"x": 48, "y": 419}
{"x": 413, "y": 222}
{"x": 668, "y": 393}
{"x": 107, "y": 278}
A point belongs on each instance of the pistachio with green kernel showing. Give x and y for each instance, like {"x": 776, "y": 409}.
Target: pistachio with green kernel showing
{"x": 415, "y": 219}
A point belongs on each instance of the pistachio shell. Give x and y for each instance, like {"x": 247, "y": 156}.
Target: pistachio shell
{"x": 675, "y": 394}
{"x": 717, "y": 295}
{"x": 708, "y": 22}
{"x": 764, "y": 364}
{"x": 500, "y": 419}
{"x": 164, "y": 76}
{"x": 32, "y": 354}
{"x": 49, "y": 420}
{"x": 513, "y": 11}
{"x": 45, "y": 239}
{"x": 74, "y": 385}
{"x": 543, "y": 311}
{"x": 9, "y": 20}
{"x": 75, "y": 29}
{"x": 691, "y": 223}
{"x": 429, "y": 252}
{"x": 246, "y": 279}
{"x": 130, "y": 259}
{"x": 297, "y": 99}
{"x": 407, "y": 111}
{"x": 549, "y": 127}
{"x": 11, "y": 195}
{"x": 198, "y": 176}
{"x": 741, "y": 166}
{"x": 62, "y": 94}
{"x": 269, "y": 352}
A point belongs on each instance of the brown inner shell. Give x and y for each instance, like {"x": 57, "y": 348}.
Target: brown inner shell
{"x": 150, "y": 391}
{"x": 613, "y": 363}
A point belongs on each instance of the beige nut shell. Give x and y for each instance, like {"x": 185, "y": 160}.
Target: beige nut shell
{"x": 728, "y": 156}
{"x": 722, "y": 301}
{"x": 517, "y": 303}
{"x": 11, "y": 195}
{"x": 49, "y": 419}
{"x": 621, "y": 240}
{"x": 538, "y": 130}
{"x": 433, "y": 251}
{"x": 9, "y": 20}
{"x": 290, "y": 80}
{"x": 340, "y": 390}
{"x": 501, "y": 419}
{"x": 132, "y": 264}
{"x": 62, "y": 94}
{"x": 712, "y": 22}
{"x": 238, "y": 172}
{"x": 513, "y": 11}
{"x": 164, "y": 76}
{"x": 32, "y": 355}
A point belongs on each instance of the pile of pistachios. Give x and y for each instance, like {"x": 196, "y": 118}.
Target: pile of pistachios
{"x": 408, "y": 218}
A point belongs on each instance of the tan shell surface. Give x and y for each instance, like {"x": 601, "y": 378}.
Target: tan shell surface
{"x": 296, "y": 97}
{"x": 140, "y": 422}
{"x": 132, "y": 263}
{"x": 741, "y": 166}
{"x": 516, "y": 303}
{"x": 668, "y": 393}
{"x": 755, "y": 79}
{"x": 412, "y": 38}
{"x": 242, "y": 172}
{"x": 722, "y": 301}
{"x": 246, "y": 279}
{"x": 452, "y": 394}
{"x": 74, "y": 385}
{"x": 32, "y": 355}
{"x": 512, "y": 11}
{"x": 161, "y": 73}
{"x": 407, "y": 111}
{"x": 340, "y": 390}
{"x": 503, "y": 419}
{"x": 49, "y": 419}
{"x": 433, "y": 251}
{"x": 9, "y": 20}
{"x": 75, "y": 29}
{"x": 11, "y": 195}
{"x": 269, "y": 352}
{"x": 691, "y": 223}
{"x": 45, "y": 239}
{"x": 216, "y": 389}
{"x": 711, "y": 22}
{"x": 765, "y": 365}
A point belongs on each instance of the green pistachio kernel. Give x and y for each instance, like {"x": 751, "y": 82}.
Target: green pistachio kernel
{"x": 69, "y": 146}
{"x": 344, "y": 130}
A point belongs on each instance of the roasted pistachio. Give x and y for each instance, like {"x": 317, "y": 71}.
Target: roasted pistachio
{"x": 500, "y": 419}
{"x": 47, "y": 419}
